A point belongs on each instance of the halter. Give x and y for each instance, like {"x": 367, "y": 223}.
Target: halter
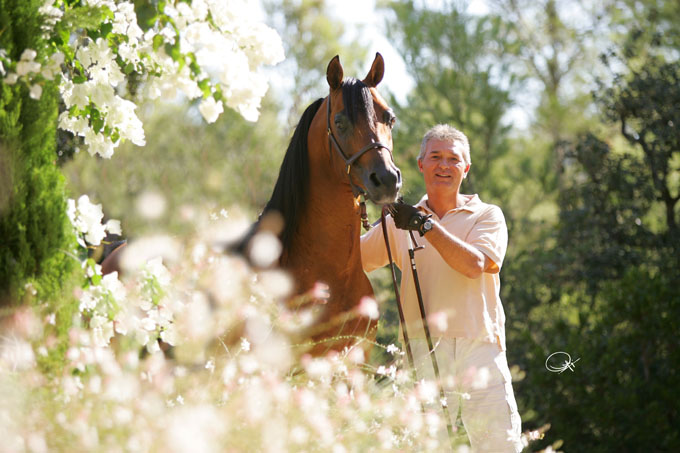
{"x": 349, "y": 161}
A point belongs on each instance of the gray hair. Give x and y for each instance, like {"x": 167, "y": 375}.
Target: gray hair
{"x": 446, "y": 133}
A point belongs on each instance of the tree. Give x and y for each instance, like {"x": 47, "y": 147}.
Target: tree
{"x": 34, "y": 229}
{"x": 644, "y": 105}
{"x": 311, "y": 38}
{"x": 446, "y": 51}
{"x": 604, "y": 290}
{"x": 99, "y": 61}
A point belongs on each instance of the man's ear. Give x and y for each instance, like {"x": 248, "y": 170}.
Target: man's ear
{"x": 467, "y": 169}
{"x": 420, "y": 165}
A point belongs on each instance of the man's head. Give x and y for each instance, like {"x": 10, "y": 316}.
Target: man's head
{"x": 444, "y": 160}
{"x": 446, "y": 133}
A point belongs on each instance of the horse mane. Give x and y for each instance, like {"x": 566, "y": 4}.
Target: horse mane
{"x": 358, "y": 100}
{"x": 292, "y": 186}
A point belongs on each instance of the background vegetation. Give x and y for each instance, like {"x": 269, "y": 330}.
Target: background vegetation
{"x": 589, "y": 183}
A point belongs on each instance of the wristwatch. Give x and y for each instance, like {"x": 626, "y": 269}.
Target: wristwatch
{"x": 426, "y": 226}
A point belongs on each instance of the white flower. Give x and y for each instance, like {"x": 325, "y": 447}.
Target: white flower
{"x": 439, "y": 320}
{"x": 28, "y": 55}
{"x": 153, "y": 346}
{"x": 392, "y": 349}
{"x": 86, "y": 217}
{"x": 427, "y": 391}
{"x": 154, "y": 269}
{"x": 113, "y": 226}
{"x": 265, "y": 249}
{"x": 74, "y": 94}
{"x": 245, "y": 345}
{"x": 170, "y": 336}
{"x": 150, "y": 204}
{"x": 368, "y": 307}
{"x": 261, "y": 43}
{"x": 27, "y": 67}
{"x": 210, "y": 109}
{"x": 53, "y": 66}
{"x": 36, "y": 92}
{"x": 11, "y": 78}
{"x": 111, "y": 284}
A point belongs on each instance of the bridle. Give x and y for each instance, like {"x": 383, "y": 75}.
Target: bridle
{"x": 349, "y": 161}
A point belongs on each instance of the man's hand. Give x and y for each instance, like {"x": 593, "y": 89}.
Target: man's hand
{"x": 407, "y": 217}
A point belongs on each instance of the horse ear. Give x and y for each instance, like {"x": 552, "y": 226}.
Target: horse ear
{"x": 377, "y": 71}
{"x": 334, "y": 73}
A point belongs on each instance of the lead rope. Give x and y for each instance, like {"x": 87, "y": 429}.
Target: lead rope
{"x": 409, "y": 353}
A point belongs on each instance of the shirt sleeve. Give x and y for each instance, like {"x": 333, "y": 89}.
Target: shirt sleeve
{"x": 490, "y": 235}
{"x": 373, "y": 251}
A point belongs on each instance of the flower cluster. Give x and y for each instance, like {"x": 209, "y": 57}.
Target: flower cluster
{"x": 205, "y": 49}
{"x": 29, "y": 71}
{"x": 86, "y": 218}
{"x": 221, "y": 366}
{"x": 196, "y": 351}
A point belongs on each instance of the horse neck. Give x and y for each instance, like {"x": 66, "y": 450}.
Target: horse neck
{"x": 328, "y": 234}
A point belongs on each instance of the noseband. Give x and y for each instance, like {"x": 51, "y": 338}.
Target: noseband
{"x": 349, "y": 161}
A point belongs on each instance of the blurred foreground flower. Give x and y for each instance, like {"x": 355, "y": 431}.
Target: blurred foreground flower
{"x": 197, "y": 353}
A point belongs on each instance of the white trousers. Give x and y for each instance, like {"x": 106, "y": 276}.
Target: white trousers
{"x": 476, "y": 379}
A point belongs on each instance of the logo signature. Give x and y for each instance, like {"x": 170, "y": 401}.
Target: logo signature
{"x": 567, "y": 364}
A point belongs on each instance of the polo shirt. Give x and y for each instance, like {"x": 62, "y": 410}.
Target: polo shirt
{"x": 456, "y": 306}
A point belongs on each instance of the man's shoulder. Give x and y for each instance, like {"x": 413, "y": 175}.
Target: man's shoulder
{"x": 489, "y": 210}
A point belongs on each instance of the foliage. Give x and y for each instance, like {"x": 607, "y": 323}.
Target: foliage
{"x": 643, "y": 104}
{"x": 34, "y": 229}
{"x": 230, "y": 165}
{"x": 311, "y": 38}
{"x": 603, "y": 289}
{"x": 445, "y": 51}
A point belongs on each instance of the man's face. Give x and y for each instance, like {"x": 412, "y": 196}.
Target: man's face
{"x": 443, "y": 165}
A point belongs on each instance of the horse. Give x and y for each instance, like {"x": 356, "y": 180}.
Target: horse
{"x": 340, "y": 151}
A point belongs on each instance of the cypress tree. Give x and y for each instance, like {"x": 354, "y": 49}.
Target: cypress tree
{"x": 34, "y": 227}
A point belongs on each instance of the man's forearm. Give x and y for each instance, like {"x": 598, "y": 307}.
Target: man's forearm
{"x": 458, "y": 254}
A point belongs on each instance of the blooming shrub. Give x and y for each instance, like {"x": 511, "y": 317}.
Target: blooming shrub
{"x": 197, "y": 353}
{"x": 106, "y": 62}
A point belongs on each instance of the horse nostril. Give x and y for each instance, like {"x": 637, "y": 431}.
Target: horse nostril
{"x": 375, "y": 180}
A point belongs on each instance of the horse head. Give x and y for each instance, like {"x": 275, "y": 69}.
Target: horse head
{"x": 359, "y": 124}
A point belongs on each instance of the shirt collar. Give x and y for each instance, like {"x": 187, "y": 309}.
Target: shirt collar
{"x": 472, "y": 205}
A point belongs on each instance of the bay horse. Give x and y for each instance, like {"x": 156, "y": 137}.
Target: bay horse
{"x": 341, "y": 150}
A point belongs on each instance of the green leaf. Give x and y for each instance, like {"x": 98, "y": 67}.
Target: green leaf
{"x": 157, "y": 42}
{"x": 106, "y": 29}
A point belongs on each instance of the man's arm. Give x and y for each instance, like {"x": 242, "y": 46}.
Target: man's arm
{"x": 458, "y": 254}
{"x": 469, "y": 258}
{"x": 373, "y": 251}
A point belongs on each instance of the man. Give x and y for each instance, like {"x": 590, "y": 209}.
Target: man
{"x": 465, "y": 241}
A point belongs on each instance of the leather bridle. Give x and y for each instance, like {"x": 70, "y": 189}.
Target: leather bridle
{"x": 349, "y": 161}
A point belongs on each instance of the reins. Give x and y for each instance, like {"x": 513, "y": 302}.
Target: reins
{"x": 423, "y": 318}
{"x": 349, "y": 161}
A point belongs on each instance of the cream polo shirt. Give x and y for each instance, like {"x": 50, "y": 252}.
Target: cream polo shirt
{"x": 471, "y": 307}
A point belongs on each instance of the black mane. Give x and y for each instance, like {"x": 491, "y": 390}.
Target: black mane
{"x": 292, "y": 186}
{"x": 358, "y": 100}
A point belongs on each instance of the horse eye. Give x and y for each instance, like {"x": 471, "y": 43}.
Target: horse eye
{"x": 390, "y": 118}
{"x": 340, "y": 122}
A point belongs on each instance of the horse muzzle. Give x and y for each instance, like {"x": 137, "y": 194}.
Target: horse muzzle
{"x": 382, "y": 183}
